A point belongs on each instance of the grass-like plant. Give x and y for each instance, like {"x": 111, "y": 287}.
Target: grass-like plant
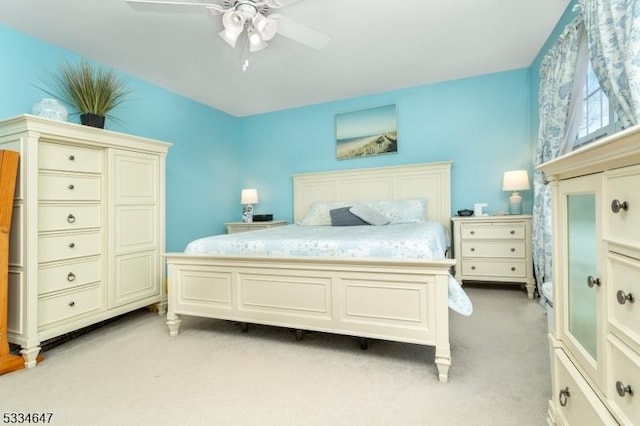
{"x": 88, "y": 88}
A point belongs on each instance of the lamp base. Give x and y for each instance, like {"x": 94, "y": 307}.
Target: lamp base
{"x": 515, "y": 203}
{"x": 247, "y": 213}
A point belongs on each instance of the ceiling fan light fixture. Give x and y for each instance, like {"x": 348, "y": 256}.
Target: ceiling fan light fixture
{"x": 233, "y": 21}
{"x": 255, "y": 41}
{"x": 229, "y": 36}
{"x": 266, "y": 27}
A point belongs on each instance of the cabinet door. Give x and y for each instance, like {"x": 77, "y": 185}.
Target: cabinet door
{"x": 580, "y": 281}
{"x": 135, "y": 231}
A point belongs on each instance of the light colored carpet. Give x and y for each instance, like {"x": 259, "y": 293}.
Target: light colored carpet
{"x": 130, "y": 372}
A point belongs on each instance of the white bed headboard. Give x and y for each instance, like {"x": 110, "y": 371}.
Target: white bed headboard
{"x": 427, "y": 180}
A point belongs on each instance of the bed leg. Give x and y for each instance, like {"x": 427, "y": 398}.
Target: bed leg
{"x": 173, "y": 321}
{"x": 443, "y": 362}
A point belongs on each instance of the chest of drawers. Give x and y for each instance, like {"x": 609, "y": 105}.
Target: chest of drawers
{"x": 494, "y": 249}
{"x": 87, "y": 228}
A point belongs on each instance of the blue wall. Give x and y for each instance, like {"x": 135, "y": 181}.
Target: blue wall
{"x": 482, "y": 124}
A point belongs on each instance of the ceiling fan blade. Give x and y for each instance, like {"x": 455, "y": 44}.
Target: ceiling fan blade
{"x": 175, "y": 7}
{"x": 281, "y": 3}
{"x": 303, "y": 34}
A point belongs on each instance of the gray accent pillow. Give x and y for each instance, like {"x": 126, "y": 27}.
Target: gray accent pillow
{"x": 369, "y": 215}
{"x": 343, "y": 217}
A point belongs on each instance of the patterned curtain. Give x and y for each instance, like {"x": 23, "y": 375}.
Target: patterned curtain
{"x": 559, "y": 103}
{"x": 613, "y": 32}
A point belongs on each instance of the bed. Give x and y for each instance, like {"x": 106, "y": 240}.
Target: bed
{"x": 398, "y": 298}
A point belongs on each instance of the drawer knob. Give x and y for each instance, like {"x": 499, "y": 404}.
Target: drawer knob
{"x": 473, "y": 232}
{"x": 71, "y": 277}
{"x": 624, "y": 297}
{"x": 513, "y": 269}
{"x": 593, "y": 281}
{"x": 71, "y": 218}
{"x": 513, "y": 250}
{"x": 473, "y": 249}
{"x": 71, "y": 158}
{"x": 71, "y": 187}
{"x": 622, "y": 390}
{"x": 616, "y": 206}
{"x": 512, "y": 232}
{"x": 563, "y": 396}
{"x": 473, "y": 268}
{"x": 72, "y": 303}
{"x": 72, "y": 245}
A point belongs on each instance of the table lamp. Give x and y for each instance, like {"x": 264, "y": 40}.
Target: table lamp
{"x": 515, "y": 180}
{"x": 248, "y": 197}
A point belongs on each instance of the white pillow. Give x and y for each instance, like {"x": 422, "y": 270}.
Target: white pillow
{"x": 410, "y": 210}
{"x": 369, "y": 215}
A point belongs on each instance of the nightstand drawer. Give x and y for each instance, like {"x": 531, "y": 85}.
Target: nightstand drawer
{"x": 492, "y": 268}
{"x": 492, "y": 231}
{"x": 62, "y": 187}
{"x": 623, "y": 384}
{"x": 69, "y": 305}
{"x": 514, "y": 249}
{"x": 68, "y": 275}
{"x": 69, "y": 158}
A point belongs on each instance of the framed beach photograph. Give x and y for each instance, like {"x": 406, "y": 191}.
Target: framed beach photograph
{"x": 368, "y": 132}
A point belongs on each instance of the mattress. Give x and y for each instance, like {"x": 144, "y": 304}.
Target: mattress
{"x": 416, "y": 241}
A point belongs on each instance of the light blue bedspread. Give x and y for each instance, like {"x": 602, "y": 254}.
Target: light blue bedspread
{"x": 425, "y": 240}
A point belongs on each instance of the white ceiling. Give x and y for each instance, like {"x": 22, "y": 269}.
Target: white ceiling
{"x": 376, "y": 46}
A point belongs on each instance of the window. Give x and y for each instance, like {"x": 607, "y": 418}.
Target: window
{"x": 598, "y": 118}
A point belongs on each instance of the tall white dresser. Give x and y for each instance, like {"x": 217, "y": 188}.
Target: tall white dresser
{"x": 596, "y": 278}
{"x": 87, "y": 230}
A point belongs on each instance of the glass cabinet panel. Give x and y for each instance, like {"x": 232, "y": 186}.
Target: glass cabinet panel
{"x": 582, "y": 263}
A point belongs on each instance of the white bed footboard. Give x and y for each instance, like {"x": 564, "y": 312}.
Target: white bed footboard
{"x": 405, "y": 301}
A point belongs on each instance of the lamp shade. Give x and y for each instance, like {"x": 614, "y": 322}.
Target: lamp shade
{"x": 249, "y": 196}
{"x": 515, "y": 180}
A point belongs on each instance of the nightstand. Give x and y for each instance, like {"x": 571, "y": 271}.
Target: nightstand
{"x": 494, "y": 249}
{"x": 235, "y": 227}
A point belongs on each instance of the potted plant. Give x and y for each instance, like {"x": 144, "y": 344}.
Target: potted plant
{"x": 93, "y": 90}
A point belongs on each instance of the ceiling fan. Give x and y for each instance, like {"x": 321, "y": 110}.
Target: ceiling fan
{"x": 249, "y": 17}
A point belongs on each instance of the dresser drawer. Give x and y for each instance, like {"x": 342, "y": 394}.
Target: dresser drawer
{"x": 67, "y": 217}
{"x": 69, "y": 158}
{"x": 575, "y": 402}
{"x": 515, "y": 249}
{"x": 68, "y": 275}
{"x": 492, "y": 231}
{"x": 623, "y": 376}
{"x": 64, "y": 187}
{"x": 622, "y": 186}
{"x": 68, "y": 246}
{"x": 494, "y": 268}
{"x": 68, "y": 305}
{"x": 624, "y": 298}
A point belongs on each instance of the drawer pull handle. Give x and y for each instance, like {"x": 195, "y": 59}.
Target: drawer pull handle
{"x": 563, "y": 396}
{"x": 71, "y": 187}
{"x": 473, "y": 249}
{"x": 624, "y": 297}
{"x": 512, "y": 232}
{"x": 71, "y": 158}
{"x": 622, "y": 390}
{"x": 72, "y": 245}
{"x": 72, "y": 303}
{"x": 593, "y": 281}
{"x": 513, "y": 268}
{"x": 473, "y": 232}
{"x": 473, "y": 268}
{"x": 71, "y": 277}
{"x": 616, "y": 206}
{"x": 71, "y": 218}
{"x": 513, "y": 250}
